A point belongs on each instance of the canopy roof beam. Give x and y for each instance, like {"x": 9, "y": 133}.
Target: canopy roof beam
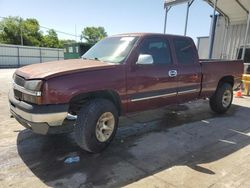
{"x": 218, "y": 10}
{"x": 242, "y": 6}
{"x": 169, "y": 3}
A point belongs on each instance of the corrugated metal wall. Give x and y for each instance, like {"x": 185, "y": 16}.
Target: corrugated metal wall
{"x": 233, "y": 38}
{"x": 202, "y": 47}
{"x": 16, "y": 56}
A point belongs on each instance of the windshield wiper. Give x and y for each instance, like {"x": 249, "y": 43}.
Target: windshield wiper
{"x": 96, "y": 59}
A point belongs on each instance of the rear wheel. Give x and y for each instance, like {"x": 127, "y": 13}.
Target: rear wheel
{"x": 96, "y": 125}
{"x": 221, "y": 101}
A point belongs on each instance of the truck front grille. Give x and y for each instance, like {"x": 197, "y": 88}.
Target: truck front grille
{"x": 19, "y": 81}
{"x": 18, "y": 94}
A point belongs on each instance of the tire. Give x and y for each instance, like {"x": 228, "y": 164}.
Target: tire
{"x": 221, "y": 101}
{"x": 89, "y": 126}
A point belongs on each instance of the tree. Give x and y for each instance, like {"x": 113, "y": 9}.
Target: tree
{"x": 67, "y": 41}
{"x": 10, "y": 30}
{"x": 15, "y": 30}
{"x": 51, "y": 40}
{"x": 31, "y": 32}
{"x": 93, "y": 34}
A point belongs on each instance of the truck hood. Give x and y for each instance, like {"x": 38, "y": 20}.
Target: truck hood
{"x": 59, "y": 68}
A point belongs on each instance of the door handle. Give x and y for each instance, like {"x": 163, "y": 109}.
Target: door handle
{"x": 172, "y": 73}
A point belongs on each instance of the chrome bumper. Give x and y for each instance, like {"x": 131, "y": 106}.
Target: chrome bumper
{"x": 53, "y": 119}
{"x": 53, "y": 115}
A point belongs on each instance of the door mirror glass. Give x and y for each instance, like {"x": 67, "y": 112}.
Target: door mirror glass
{"x": 145, "y": 59}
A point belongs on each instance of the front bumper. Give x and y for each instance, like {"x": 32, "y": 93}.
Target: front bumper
{"x": 42, "y": 119}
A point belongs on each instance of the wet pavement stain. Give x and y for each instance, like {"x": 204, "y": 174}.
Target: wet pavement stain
{"x": 45, "y": 155}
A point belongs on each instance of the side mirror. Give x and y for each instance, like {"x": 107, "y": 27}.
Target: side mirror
{"x": 145, "y": 59}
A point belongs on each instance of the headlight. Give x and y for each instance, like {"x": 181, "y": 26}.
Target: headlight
{"x": 33, "y": 91}
{"x": 33, "y": 85}
{"x": 29, "y": 91}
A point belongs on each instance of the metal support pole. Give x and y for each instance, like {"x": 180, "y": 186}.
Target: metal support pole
{"x": 222, "y": 56}
{"x": 245, "y": 40}
{"x": 185, "y": 30}
{"x": 40, "y": 51}
{"x": 21, "y": 31}
{"x": 211, "y": 38}
{"x": 21, "y": 36}
{"x": 166, "y": 17}
{"x": 187, "y": 14}
{"x": 18, "y": 57}
{"x": 75, "y": 33}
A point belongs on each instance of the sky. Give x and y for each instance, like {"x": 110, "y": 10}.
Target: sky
{"x": 116, "y": 16}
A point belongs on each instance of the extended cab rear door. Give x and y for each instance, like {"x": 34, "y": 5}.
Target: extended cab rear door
{"x": 188, "y": 69}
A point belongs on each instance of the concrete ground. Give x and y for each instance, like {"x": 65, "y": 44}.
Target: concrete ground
{"x": 178, "y": 146}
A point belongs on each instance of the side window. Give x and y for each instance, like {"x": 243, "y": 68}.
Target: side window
{"x": 70, "y": 49}
{"x": 247, "y": 55}
{"x": 184, "y": 51}
{"x": 158, "y": 48}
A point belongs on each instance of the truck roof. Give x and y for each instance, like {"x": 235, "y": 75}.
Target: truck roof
{"x": 150, "y": 34}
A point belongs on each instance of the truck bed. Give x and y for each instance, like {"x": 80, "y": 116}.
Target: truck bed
{"x": 213, "y": 70}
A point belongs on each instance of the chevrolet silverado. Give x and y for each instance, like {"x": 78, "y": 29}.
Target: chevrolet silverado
{"x": 119, "y": 75}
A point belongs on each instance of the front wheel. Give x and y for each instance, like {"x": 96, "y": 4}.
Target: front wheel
{"x": 96, "y": 125}
{"x": 221, "y": 101}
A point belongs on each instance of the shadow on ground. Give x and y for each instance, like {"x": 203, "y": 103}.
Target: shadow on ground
{"x": 155, "y": 142}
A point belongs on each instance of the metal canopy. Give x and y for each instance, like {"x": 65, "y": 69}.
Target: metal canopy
{"x": 167, "y": 6}
{"x": 168, "y": 3}
{"x": 233, "y": 10}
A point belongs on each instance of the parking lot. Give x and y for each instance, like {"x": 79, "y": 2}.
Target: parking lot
{"x": 177, "y": 146}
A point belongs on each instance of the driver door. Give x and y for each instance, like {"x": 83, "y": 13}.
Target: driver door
{"x": 154, "y": 83}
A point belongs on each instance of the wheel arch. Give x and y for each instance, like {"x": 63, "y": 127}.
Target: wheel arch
{"x": 226, "y": 79}
{"x": 79, "y": 100}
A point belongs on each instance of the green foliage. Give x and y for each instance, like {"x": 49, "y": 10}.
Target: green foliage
{"x": 15, "y": 30}
{"x": 63, "y": 42}
{"x": 51, "y": 40}
{"x": 31, "y": 32}
{"x": 10, "y": 29}
{"x": 93, "y": 34}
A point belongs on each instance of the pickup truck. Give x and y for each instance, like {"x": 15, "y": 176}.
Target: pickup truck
{"x": 119, "y": 75}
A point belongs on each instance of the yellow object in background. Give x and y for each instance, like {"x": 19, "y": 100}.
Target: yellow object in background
{"x": 246, "y": 83}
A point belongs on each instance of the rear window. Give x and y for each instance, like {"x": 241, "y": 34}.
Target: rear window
{"x": 184, "y": 51}
{"x": 247, "y": 55}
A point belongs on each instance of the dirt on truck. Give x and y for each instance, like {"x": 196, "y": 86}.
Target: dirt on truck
{"x": 119, "y": 75}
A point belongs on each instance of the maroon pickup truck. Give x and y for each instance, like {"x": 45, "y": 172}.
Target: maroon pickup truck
{"x": 119, "y": 75}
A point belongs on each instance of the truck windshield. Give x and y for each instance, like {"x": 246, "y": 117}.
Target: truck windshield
{"x": 111, "y": 49}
